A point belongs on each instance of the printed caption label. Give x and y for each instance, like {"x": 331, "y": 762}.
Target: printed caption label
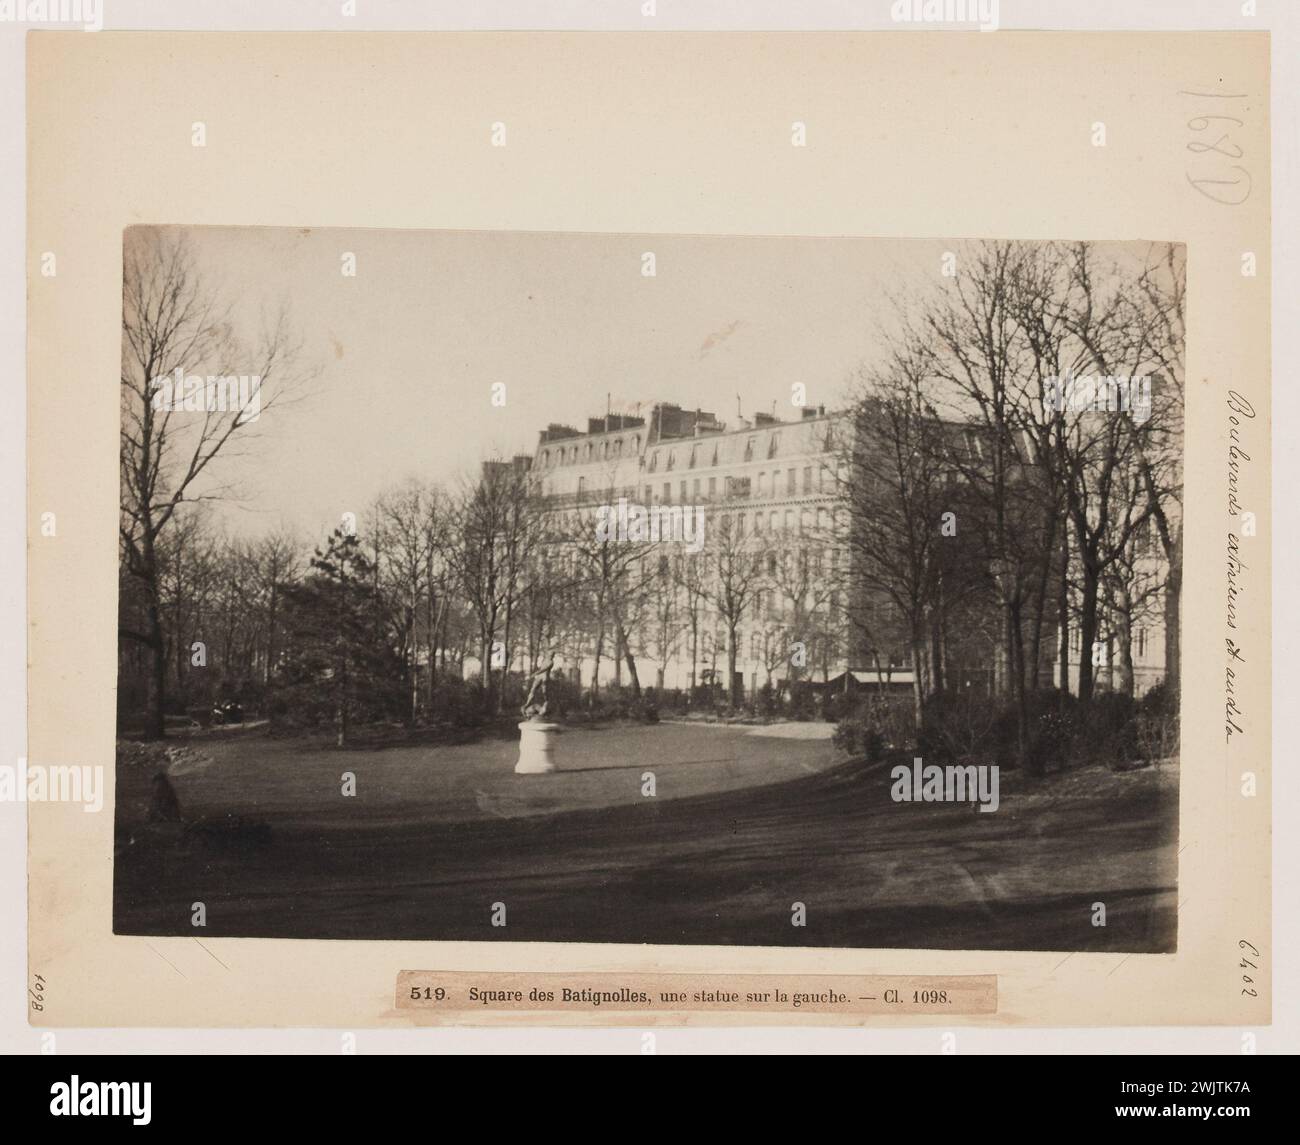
{"x": 468, "y": 992}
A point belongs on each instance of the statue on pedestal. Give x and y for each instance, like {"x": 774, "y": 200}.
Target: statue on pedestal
{"x": 536, "y": 733}
{"x": 537, "y": 704}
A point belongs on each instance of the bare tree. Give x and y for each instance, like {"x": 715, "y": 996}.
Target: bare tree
{"x": 734, "y": 575}
{"x": 895, "y": 491}
{"x": 174, "y": 324}
{"x": 1121, "y": 334}
{"x": 496, "y": 525}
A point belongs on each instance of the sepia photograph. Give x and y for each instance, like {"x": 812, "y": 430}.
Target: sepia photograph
{"x": 650, "y": 588}
{"x": 648, "y": 528}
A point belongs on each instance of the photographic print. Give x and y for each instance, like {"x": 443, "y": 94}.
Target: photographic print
{"x": 670, "y": 589}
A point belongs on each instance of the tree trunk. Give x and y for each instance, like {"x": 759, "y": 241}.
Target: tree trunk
{"x": 1016, "y": 665}
{"x": 596, "y": 659}
{"x": 341, "y": 668}
{"x": 270, "y": 630}
{"x": 1040, "y": 603}
{"x": 1173, "y": 603}
{"x": 631, "y": 665}
{"x": 918, "y": 693}
{"x": 1063, "y": 615}
{"x": 507, "y": 637}
{"x": 485, "y": 667}
{"x": 1124, "y": 649}
{"x": 155, "y": 724}
{"x": 1087, "y": 630}
{"x": 734, "y": 689}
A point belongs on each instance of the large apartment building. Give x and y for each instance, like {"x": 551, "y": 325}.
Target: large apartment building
{"x": 769, "y": 480}
{"x": 779, "y": 485}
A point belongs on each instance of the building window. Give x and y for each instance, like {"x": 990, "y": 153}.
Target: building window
{"x": 713, "y": 487}
{"x": 695, "y": 489}
{"x": 695, "y": 450}
{"x": 668, "y": 491}
{"x": 683, "y": 492}
{"x": 654, "y": 461}
{"x": 807, "y": 479}
{"x": 749, "y": 450}
{"x": 773, "y": 443}
{"x": 582, "y": 486}
{"x": 1141, "y": 643}
{"x": 672, "y": 460}
{"x": 790, "y": 481}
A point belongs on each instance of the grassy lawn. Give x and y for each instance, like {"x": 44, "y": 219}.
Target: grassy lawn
{"x": 741, "y": 826}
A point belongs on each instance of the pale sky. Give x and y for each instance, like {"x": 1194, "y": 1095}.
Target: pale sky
{"x": 410, "y": 347}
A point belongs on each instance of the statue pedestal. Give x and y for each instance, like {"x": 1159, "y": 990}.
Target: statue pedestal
{"x": 536, "y": 747}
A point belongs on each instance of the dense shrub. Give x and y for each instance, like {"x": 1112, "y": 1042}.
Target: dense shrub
{"x": 1157, "y": 729}
{"x": 835, "y": 706}
{"x": 1114, "y": 730}
{"x": 672, "y": 700}
{"x": 457, "y": 702}
{"x": 959, "y": 727}
{"x": 802, "y": 706}
{"x": 646, "y": 708}
{"x": 872, "y": 724}
{"x": 854, "y": 735}
{"x": 1160, "y": 700}
{"x": 1108, "y": 732}
{"x": 705, "y": 697}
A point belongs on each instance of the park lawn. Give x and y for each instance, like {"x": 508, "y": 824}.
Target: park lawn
{"x": 742, "y": 826}
{"x": 295, "y": 785}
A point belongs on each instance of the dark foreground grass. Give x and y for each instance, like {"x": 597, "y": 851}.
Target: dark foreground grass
{"x": 742, "y": 828}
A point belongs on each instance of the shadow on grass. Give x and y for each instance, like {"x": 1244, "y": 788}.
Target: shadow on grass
{"x": 718, "y": 868}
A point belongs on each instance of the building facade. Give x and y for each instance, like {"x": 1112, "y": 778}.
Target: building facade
{"x": 763, "y": 485}
{"x": 770, "y": 493}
